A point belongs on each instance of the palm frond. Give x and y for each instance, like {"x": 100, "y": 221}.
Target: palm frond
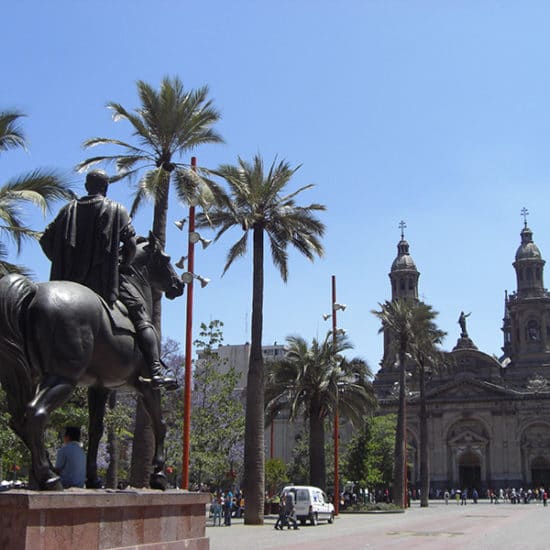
{"x": 11, "y": 133}
{"x": 236, "y": 251}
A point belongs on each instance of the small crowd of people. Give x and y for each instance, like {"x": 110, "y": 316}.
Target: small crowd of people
{"x": 226, "y": 505}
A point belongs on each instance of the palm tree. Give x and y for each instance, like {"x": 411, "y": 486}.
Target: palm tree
{"x": 313, "y": 381}
{"x": 407, "y": 321}
{"x": 426, "y": 357}
{"x": 40, "y": 188}
{"x": 169, "y": 123}
{"x": 257, "y": 203}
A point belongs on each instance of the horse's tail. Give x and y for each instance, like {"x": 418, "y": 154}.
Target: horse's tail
{"x": 16, "y": 372}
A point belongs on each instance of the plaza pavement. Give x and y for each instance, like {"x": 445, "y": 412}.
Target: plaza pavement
{"x": 481, "y": 526}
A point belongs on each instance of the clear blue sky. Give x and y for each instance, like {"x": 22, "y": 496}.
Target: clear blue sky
{"x": 432, "y": 112}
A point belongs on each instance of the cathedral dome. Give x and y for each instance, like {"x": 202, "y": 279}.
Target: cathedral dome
{"x": 404, "y": 259}
{"x": 527, "y": 250}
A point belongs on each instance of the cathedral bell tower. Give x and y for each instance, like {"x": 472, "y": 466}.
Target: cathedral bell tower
{"x": 526, "y": 324}
{"x": 404, "y": 275}
{"x": 404, "y": 286}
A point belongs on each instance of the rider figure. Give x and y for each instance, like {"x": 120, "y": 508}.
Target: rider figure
{"x": 83, "y": 244}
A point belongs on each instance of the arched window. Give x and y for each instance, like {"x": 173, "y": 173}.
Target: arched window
{"x": 529, "y": 274}
{"x": 532, "y": 332}
{"x": 411, "y": 284}
{"x": 521, "y": 274}
{"x": 402, "y": 284}
{"x": 538, "y": 273}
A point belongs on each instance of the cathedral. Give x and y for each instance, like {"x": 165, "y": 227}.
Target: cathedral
{"x": 488, "y": 418}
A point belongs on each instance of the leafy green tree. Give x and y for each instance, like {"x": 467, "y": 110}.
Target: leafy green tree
{"x": 275, "y": 474}
{"x": 258, "y": 204}
{"x": 217, "y": 417}
{"x": 407, "y": 321}
{"x": 169, "y": 123}
{"x": 369, "y": 458}
{"x": 12, "y": 450}
{"x": 40, "y": 188}
{"x": 312, "y": 381}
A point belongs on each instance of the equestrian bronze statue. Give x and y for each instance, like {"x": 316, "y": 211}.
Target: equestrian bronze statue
{"x": 60, "y": 334}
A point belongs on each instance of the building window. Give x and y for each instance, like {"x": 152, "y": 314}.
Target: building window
{"x": 521, "y": 274}
{"x": 411, "y": 284}
{"x": 538, "y": 273}
{"x": 529, "y": 274}
{"x": 533, "y": 331}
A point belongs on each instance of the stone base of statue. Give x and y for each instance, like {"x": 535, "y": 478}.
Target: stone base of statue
{"x": 464, "y": 342}
{"x": 90, "y": 519}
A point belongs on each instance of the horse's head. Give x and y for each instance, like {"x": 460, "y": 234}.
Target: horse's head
{"x": 162, "y": 275}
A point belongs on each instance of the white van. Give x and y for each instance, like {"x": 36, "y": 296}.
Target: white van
{"x": 311, "y": 504}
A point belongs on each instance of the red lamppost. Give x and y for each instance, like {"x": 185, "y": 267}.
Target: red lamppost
{"x": 336, "y": 415}
{"x": 335, "y": 307}
{"x": 187, "y": 278}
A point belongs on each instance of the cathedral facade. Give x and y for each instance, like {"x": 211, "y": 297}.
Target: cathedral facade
{"x": 488, "y": 418}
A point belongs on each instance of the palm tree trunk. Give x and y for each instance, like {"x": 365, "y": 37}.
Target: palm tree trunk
{"x": 400, "y": 441}
{"x": 424, "y": 458}
{"x": 317, "y": 466}
{"x": 254, "y": 454}
{"x": 143, "y": 448}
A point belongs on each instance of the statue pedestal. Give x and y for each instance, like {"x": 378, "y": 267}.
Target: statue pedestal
{"x": 90, "y": 519}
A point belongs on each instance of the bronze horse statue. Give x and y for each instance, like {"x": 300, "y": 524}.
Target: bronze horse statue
{"x": 59, "y": 334}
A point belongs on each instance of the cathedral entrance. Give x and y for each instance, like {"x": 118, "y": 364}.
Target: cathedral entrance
{"x": 540, "y": 472}
{"x": 469, "y": 471}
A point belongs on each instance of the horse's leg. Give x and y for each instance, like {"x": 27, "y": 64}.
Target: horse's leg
{"x": 97, "y": 398}
{"x": 51, "y": 393}
{"x": 151, "y": 399}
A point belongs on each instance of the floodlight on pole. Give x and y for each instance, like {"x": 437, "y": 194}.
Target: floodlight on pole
{"x": 180, "y": 223}
{"x": 195, "y": 237}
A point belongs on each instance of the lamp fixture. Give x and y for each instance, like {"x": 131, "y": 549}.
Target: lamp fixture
{"x": 188, "y": 277}
{"x": 195, "y": 237}
{"x": 180, "y": 223}
{"x": 341, "y": 331}
{"x": 336, "y": 307}
{"x": 326, "y": 316}
{"x": 180, "y": 263}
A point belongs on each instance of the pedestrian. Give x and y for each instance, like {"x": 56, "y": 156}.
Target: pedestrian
{"x": 216, "y": 508}
{"x": 446, "y": 496}
{"x": 544, "y": 497}
{"x": 464, "y": 497}
{"x": 290, "y": 510}
{"x": 475, "y": 495}
{"x": 280, "y": 523}
{"x": 71, "y": 460}
{"x": 457, "y": 497}
{"x": 227, "y": 508}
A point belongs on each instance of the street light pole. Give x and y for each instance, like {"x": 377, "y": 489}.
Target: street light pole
{"x": 336, "y": 419}
{"x": 188, "y": 348}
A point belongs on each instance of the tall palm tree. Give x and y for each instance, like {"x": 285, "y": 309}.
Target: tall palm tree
{"x": 313, "y": 381}
{"x": 258, "y": 204}
{"x": 169, "y": 122}
{"x": 40, "y": 188}
{"x": 407, "y": 321}
{"x": 427, "y": 357}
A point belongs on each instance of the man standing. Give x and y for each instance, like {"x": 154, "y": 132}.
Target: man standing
{"x": 84, "y": 245}
{"x": 71, "y": 460}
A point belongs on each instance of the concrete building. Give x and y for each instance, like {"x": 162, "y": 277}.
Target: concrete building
{"x": 280, "y": 437}
{"x": 489, "y": 418}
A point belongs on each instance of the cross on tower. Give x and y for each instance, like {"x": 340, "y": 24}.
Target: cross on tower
{"x": 524, "y": 213}
{"x": 402, "y": 226}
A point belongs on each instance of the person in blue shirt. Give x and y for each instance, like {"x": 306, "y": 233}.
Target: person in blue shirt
{"x": 71, "y": 460}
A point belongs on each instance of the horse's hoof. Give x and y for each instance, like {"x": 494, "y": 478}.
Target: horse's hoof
{"x": 158, "y": 481}
{"x": 94, "y": 484}
{"x": 52, "y": 484}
